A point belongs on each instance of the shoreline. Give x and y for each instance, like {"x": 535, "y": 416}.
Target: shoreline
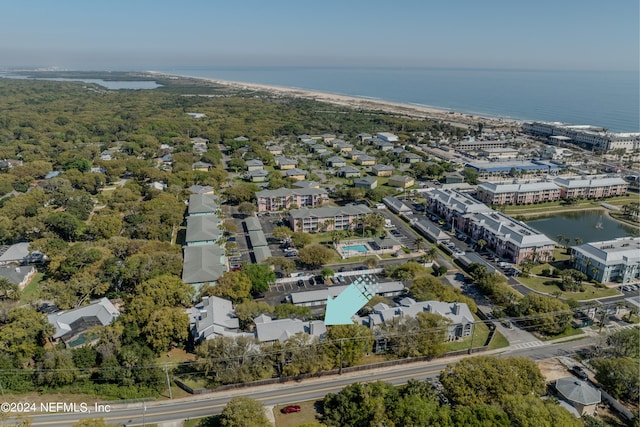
{"x": 360, "y": 102}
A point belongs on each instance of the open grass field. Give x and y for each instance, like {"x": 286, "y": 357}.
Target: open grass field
{"x": 547, "y": 285}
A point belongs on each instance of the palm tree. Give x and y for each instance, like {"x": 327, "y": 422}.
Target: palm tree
{"x": 419, "y": 242}
{"x": 9, "y": 290}
{"x": 430, "y": 254}
{"x": 578, "y": 241}
{"x": 481, "y": 244}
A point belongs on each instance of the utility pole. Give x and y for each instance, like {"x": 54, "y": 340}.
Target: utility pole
{"x": 166, "y": 372}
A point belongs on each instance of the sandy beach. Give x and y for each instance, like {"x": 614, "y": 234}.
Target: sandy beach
{"x": 359, "y": 103}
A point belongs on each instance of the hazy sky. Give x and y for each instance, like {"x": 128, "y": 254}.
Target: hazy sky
{"x": 135, "y": 34}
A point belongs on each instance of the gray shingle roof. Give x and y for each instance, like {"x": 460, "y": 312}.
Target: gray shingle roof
{"x": 202, "y": 203}
{"x": 330, "y": 211}
{"x": 203, "y": 264}
{"x": 101, "y": 311}
{"x": 203, "y": 228}
{"x": 578, "y": 391}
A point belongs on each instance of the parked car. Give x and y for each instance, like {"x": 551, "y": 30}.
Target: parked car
{"x": 236, "y": 268}
{"x": 300, "y": 282}
{"x": 290, "y": 409}
{"x": 579, "y": 372}
{"x": 312, "y": 282}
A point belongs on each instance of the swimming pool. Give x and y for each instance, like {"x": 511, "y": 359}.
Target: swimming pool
{"x": 357, "y": 248}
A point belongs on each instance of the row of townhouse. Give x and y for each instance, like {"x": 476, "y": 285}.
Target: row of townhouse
{"x": 288, "y": 198}
{"x": 204, "y": 257}
{"x": 327, "y": 218}
{"x": 509, "y": 239}
{"x": 525, "y": 192}
{"x": 215, "y": 317}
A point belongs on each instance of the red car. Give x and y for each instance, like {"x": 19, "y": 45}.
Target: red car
{"x": 290, "y": 409}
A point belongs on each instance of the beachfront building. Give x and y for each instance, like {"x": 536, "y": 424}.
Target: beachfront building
{"x": 327, "y": 218}
{"x": 517, "y": 193}
{"x": 591, "y": 187}
{"x": 615, "y": 260}
{"x": 594, "y": 137}
{"x": 287, "y": 198}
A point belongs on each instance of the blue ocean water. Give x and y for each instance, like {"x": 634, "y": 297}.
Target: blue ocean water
{"x": 604, "y": 98}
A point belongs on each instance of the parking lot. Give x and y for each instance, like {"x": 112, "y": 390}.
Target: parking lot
{"x": 401, "y": 231}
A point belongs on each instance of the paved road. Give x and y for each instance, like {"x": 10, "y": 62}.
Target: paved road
{"x": 291, "y": 392}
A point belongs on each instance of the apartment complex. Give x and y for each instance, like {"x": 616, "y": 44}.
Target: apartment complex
{"x": 593, "y": 136}
{"x": 507, "y": 238}
{"x": 591, "y": 187}
{"x": 287, "y": 198}
{"x": 524, "y": 192}
{"x": 327, "y": 218}
{"x": 516, "y": 193}
{"x": 615, "y": 260}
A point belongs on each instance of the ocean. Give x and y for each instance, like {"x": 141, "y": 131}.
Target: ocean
{"x": 610, "y": 99}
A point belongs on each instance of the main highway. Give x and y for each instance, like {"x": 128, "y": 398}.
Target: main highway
{"x": 153, "y": 412}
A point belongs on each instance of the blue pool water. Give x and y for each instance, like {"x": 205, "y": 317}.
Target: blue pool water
{"x": 357, "y": 248}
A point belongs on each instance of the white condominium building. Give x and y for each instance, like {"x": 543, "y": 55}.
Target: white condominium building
{"x": 615, "y": 260}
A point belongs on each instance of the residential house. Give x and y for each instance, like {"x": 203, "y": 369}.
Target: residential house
{"x": 363, "y": 137}
{"x": 18, "y": 275}
{"x": 71, "y": 324}
{"x": 211, "y": 318}
{"x": 241, "y": 139}
{"x": 295, "y": 173}
{"x": 285, "y": 163}
{"x": 259, "y": 175}
{"x": 396, "y": 205}
{"x": 344, "y": 147}
{"x": 287, "y": 198}
{"x": 17, "y": 253}
{"x": 349, "y": 172}
{"x": 354, "y": 154}
{"x": 616, "y": 260}
{"x": 382, "y": 170}
{"x": 203, "y": 265}
{"x": 155, "y": 185}
{"x": 318, "y": 149}
{"x": 368, "y": 183}
{"x": 453, "y": 178}
{"x": 201, "y": 189}
{"x": 275, "y": 150}
{"x": 328, "y": 137}
{"x": 201, "y": 166}
{"x": 271, "y": 330}
{"x": 203, "y": 230}
{"x": 386, "y": 244}
{"x": 366, "y": 160}
{"x": 336, "y": 162}
{"x": 400, "y": 181}
{"x": 458, "y": 313}
{"x": 386, "y": 136}
{"x": 409, "y": 157}
{"x": 384, "y": 146}
{"x": 202, "y": 204}
{"x": 327, "y": 218}
{"x": 199, "y": 140}
{"x": 254, "y": 165}
{"x": 306, "y": 184}
{"x": 106, "y": 155}
{"x": 319, "y": 297}
{"x": 579, "y": 394}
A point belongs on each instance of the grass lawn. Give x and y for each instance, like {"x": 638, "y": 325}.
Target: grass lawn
{"x": 498, "y": 341}
{"x": 480, "y": 336}
{"x": 212, "y": 421}
{"x": 568, "y": 333}
{"x": 590, "y": 291}
{"x": 30, "y": 291}
{"x": 307, "y": 414}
